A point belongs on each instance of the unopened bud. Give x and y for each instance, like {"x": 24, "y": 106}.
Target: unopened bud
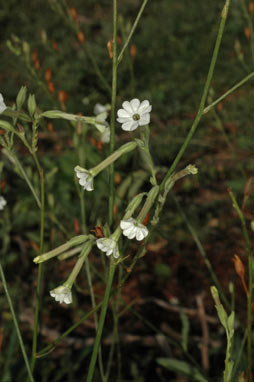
{"x": 21, "y": 97}
{"x": 110, "y": 50}
{"x": 239, "y": 267}
{"x": 31, "y": 104}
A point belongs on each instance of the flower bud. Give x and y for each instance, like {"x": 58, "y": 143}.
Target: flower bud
{"x": 21, "y": 97}
{"x": 31, "y": 104}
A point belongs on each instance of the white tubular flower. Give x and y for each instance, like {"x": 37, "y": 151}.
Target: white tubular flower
{"x": 109, "y": 246}
{"x": 62, "y": 294}
{"x": 85, "y": 178}
{"x": 132, "y": 228}
{"x": 134, "y": 114}
{"x": 105, "y": 136}
{"x": 2, "y": 202}
{"x": 2, "y": 104}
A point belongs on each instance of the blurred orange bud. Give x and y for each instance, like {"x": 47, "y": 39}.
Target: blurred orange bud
{"x": 220, "y": 106}
{"x": 62, "y": 96}
{"x": 92, "y": 141}
{"x": 251, "y": 7}
{"x": 51, "y": 87}
{"x": 114, "y": 210}
{"x": 119, "y": 40}
{"x": 2, "y": 184}
{"x": 110, "y": 51}
{"x": 35, "y": 246}
{"x": 99, "y": 145}
{"x": 146, "y": 220}
{"x": 2, "y": 132}
{"x": 37, "y": 64}
{"x": 81, "y": 37}
{"x": 117, "y": 178}
{"x": 77, "y": 228}
{"x": 74, "y": 14}
{"x": 247, "y": 32}
{"x": 54, "y": 45}
{"x": 248, "y": 186}
{"x": 133, "y": 50}
{"x": 247, "y": 191}
{"x": 48, "y": 74}
{"x": 50, "y": 127}
{"x": 239, "y": 268}
{"x": 35, "y": 56}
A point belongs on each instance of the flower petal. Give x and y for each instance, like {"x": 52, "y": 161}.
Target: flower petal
{"x": 126, "y": 223}
{"x": 123, "y": 113}
{"x": 135, "y": 104}
{"x": 129, "y": 125}
{"x": 127, "y": 106}
{"x": 144, "y": 107}
{"x": 144, "y": 119}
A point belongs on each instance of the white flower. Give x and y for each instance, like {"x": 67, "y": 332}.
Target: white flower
{"x": 132, "y": 228}
{"x": 85, "y": 178}
{"x": 2, "y": 104}
{"x": 100, "y": 122}
{"x": 105, "y": 136}
{"x": 109, "y": 246}
{"x": 2, "y": 202}
{"x": 134, "y": 114}
{"x": 99, "y": 108}
{"x": 62, "y": 294}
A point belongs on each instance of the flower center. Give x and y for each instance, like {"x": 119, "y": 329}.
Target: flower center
{"x": 136, "y": 117}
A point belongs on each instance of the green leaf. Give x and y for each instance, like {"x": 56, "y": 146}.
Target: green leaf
{"x": 183, "y": 368}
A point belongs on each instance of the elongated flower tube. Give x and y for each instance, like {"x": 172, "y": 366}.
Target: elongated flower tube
{"x": 2, "y": 104}
{"x": 77, "y": 240}
{"x": 86, "y": 176}
{"x": 63, "y": 292}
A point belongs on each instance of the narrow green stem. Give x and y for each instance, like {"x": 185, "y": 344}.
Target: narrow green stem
{"x": 22, "y": 170}
{"x": 113, "y": 114}
{"x": 21, "y": 343}
{"x": 248, "y": 18}
{"x": 228, "y": 92}
{"x": 250, "y": 286}
{"x": 134, "y": 26}
{"x": 204, "y": 95}
{"x": 101, "y": 321}
{"x": 40, "y": 267}
{"x": 50, "y": 347}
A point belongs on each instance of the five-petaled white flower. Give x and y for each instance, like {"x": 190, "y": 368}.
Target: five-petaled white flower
{"x": 132, "y": 228}
{"x": 62, "y": 294}
{"x": 109, "y": 246}
{"x": 2, "y": 104}
{"x": 85, "y": 178}
{"x": 134, "y": 114}
{"x": 2, "y": 202}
